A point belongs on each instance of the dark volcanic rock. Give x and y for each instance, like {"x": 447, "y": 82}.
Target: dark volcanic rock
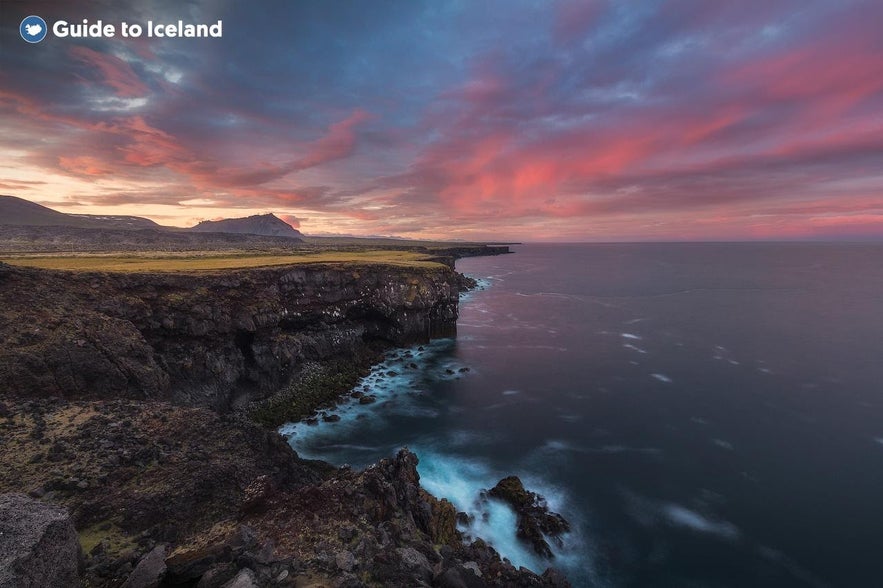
{"x": 89, "y": 361}
{"x": 226, "y": 495}
{"x": 150, "y": 569}
{"x": 244, "y": 579}
{"x": 459, "y": 576}
{"x": 219, "y": 340}
{"x": 535, "y": 520}
{"x": 38, "y": 544}
{"x": 467, "y": 283}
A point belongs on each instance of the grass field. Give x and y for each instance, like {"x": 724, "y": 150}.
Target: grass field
{"x": 162, "y": 262}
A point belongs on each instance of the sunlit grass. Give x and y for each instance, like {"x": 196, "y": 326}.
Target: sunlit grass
{"x": 166, "y": 262}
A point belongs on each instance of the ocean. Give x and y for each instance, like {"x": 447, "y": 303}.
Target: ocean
{"x": 705, "y": 414}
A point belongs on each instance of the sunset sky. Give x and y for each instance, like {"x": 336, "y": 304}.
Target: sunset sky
{"x": 510, "y": 120}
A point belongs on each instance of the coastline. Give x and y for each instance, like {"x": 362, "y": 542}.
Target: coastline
{"x": 141, "y": 443}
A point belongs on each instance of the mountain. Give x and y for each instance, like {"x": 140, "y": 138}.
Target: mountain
{"x": 21, "y": 212}
{"x": 268, "y": 225}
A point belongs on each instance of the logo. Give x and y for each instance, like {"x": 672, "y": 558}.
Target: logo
{"x": 32, "y": 29}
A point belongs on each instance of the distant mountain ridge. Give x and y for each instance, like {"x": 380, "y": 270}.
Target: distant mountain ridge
{"x": 20, "y": 212}
{"x": 268, "y": 225}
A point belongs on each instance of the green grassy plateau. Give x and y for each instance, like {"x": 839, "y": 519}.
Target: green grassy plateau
{"x": 196, "y": 261}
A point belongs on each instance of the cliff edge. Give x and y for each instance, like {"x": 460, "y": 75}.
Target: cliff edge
{"x": 215, "y": 339}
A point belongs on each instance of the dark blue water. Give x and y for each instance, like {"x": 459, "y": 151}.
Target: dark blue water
{"x": 706, "y": 414}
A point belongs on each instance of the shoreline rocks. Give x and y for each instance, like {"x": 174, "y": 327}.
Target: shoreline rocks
{"x": 219, "y": 495}
{"x": 535, "y": 521}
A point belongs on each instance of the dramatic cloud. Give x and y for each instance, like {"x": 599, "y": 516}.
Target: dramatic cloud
{"x": 573, "y": 120}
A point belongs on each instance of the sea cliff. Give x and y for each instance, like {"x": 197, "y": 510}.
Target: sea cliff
{"x": 140, "y": 403}
{"x": 214, "y": 339}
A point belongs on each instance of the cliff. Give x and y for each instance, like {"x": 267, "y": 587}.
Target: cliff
{"x": 165, "y": 494}
{"x": 219, "y": 340}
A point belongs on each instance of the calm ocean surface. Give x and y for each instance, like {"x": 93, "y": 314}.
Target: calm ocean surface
{"x": 705, "y": 414}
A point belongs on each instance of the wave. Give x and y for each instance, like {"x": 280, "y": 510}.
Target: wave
{"x": 461, "y": 480}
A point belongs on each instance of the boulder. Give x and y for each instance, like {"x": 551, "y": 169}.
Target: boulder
{"x": 244, "y": 579}
{"x": 415, "y": 563}
{"x": 460, "y": 576}
{"x": 38, "y": 544}
{"x": 345, "y": 561}
{"x": 150, "y": 570}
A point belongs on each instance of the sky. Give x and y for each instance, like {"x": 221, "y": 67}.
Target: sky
{"x": 517, "y": 120}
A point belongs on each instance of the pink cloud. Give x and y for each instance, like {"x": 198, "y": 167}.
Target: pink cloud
{"x": 291, "y": 220}
{"x": 338, "y": 143}
{"x": 114, "y": 72}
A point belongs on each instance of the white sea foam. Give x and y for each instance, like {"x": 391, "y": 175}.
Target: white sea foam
{"x": 684, "y": 517}
{"x": 804, "y": 575}
{"x": 511, "y": 392}
{"x": 649, "y": 513}
{"x": 723, "y": 444}
{"x": 661, "y": 378}
{"x": 461, "y": 481}
{"x": 634, "y": 348}
{"x": 559, "y": 446}
{"x": 481, "y": 285}
{"x": 546, "y": 347}
{"x": 631, "y": 336}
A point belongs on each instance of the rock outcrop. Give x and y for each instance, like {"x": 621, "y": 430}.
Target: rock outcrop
{"x": 219, "y": 340}
{"x": 38, "y": 545}
{"x": 536, "y": 522}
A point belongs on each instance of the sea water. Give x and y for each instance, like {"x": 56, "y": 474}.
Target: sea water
{"x": 702, "y": 414}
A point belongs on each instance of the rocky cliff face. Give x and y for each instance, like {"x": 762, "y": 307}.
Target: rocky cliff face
{"x": 208, "y": 339}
